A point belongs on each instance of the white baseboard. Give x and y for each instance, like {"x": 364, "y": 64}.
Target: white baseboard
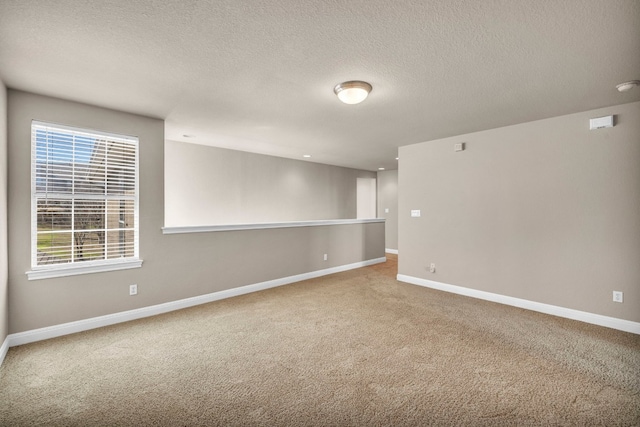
{"x": 391, "y": 251}
{"x": 3, "y": 349}
{"x": 125, "y": 316}
{"x": 583, "y": 316}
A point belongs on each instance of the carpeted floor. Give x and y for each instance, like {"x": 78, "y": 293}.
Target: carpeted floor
{"x": 352, "y": 349}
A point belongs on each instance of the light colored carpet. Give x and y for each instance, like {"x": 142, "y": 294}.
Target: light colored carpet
{"x": 351, "y": 349}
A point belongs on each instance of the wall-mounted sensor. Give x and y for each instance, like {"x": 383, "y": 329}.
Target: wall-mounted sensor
{"x": 601, "y": 122}
{"x": 459, "y": 146}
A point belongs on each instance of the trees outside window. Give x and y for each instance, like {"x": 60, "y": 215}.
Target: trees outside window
{"x": 84, "y": 196}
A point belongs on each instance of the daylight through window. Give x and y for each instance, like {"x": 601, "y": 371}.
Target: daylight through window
{"x": 84, "y": 188}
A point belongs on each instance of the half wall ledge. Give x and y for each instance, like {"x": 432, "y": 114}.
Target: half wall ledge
{"x": 265, "y": 225}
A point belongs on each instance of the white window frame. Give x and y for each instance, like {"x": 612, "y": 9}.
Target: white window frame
{"x": 81, "y": 267}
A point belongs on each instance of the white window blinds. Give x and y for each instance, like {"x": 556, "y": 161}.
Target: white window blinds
{"x": 84, "y": 197}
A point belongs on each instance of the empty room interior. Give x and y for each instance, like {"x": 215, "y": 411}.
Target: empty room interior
{"x": 340, "y": 212}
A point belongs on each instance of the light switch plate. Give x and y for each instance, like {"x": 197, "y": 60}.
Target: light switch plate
{"x": 415, "y": 213}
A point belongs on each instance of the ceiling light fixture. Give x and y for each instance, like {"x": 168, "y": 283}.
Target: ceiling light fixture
{"x": 627, "y": 86}
{"x": 306, "y": 156}
{"x": 353, "y": 92}
{"x": 380, "y": 169}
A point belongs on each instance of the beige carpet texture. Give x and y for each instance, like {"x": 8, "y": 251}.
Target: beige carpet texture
{"x": 352, "y": 349}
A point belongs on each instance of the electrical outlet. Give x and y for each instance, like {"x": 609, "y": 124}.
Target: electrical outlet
{"x": 432, "y": 267}
{"x": 326, "y": 257}
{"x": 133, "y": 289}
{"x": 617, "y": 296}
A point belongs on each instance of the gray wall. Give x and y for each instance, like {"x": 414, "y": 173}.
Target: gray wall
{"x": 175, "y": 266}
{"x": 388, "y": 199}
{"x": 207, "y": 185}
{"x": 547, "y": 211}
{"x": 4, "y": 288}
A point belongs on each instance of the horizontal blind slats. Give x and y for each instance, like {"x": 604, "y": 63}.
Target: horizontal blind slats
{"x": 84, "y": 190}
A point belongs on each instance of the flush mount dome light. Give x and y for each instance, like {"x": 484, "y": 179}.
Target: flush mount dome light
{"x": 353, "y": 92}
{"x": 627, "y": 86}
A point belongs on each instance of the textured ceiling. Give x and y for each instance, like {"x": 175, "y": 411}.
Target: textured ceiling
{"x": 259, "y": 75}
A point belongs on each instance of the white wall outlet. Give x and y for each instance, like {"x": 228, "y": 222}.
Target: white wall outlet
{"x": 432, "y": 267}
{"x": 386, "y": 210}
{"x": 415, "y": 213}
{"x": 133, "y": 289}
{"x": 617, "y": 296}
{"x": 326, "y": 257}
{"x": 459, "y": 146}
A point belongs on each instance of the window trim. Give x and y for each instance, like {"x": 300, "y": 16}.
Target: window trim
{"x": 48, "y": 272}
{"x": 83, "y": 267}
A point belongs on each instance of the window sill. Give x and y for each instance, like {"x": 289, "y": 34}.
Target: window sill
{"x": 62, "y": 271}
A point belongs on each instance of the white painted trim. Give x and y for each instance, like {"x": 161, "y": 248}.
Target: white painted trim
{"x": 264, "y": 225}
{"x": 79, "y": 268}
{"x": 569, "y": 313}
{"x": 391, "y": 251}
{"x": 124, "y": 316}
{"x": 71, "y": 269}
{"x": 3, "y": 349}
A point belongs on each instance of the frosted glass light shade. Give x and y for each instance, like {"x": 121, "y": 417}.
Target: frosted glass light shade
{"x": 353, "y": 92}
{"x": 627, "y": 86}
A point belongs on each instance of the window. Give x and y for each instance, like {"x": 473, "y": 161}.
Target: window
{"x": 84, "y": 201}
